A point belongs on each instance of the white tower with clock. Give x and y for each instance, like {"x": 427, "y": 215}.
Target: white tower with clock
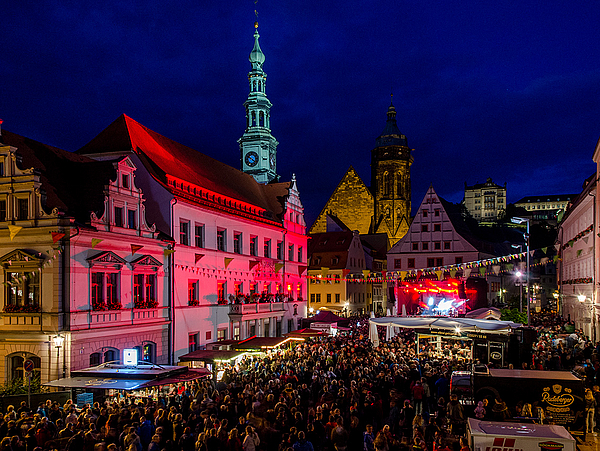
{"x": 258, "y": 147}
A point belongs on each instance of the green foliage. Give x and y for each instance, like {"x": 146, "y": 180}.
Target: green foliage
{"x": 19, "y": 387}
{"x": 513, "y": 315}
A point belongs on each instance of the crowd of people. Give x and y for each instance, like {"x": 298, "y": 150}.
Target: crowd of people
{"x": 326, "y": 394}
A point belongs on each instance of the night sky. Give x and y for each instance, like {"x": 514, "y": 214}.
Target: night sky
{"x": 508, "y": 90}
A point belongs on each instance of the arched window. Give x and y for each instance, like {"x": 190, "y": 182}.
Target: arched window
{"x": 400, "y": 185}
{"x": 384, "y": 184}
{"x": 254, "y": 118}
{"x": 259, "y": 86}
{"x": 261, "y": 119}
{"x": 15, "y": 365}
{"x": 111, "y": 355}
{"x": 95, "y": 359}
{"x": 149, "y": 352}
{"x": 254, "y": 86}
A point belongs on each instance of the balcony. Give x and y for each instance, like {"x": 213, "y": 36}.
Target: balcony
{"x": 257, "y": 307}
{"x": 86, "y": 319}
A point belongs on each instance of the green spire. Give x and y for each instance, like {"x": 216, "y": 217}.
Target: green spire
{"x": 257, "y": 57}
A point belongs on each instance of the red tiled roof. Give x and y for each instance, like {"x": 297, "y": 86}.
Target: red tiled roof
{"x": 164, "y": 156}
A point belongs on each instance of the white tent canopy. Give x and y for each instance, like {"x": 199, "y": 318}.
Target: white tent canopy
{"x": 439, "y": 323}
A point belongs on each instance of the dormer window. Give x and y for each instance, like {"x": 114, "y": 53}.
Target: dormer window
{"x": 125, "y": 181}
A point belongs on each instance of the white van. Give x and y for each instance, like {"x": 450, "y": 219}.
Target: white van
{"x": 494, "y": 436}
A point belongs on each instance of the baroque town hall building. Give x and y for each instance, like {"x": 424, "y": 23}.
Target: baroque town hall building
{"x": 137, "y": 241}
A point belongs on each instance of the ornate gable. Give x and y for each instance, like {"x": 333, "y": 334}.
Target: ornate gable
{"x": 351, "y": 202}
{"x": 22, "y": 257}
{"x": 106, "y": 259}
{"x": 124, "y": 209}
{"x": 147, "y": 262}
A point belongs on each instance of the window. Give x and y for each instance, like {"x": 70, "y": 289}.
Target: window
{"x": 125, "y": 181}
{"x": 22, "y": 209}
{"x": 184, "y": 233}
{"x": 425, "y": 246}
{"x": 221, "y": 292}
{"x": 237, "y": 288}
{"x": 425, "y": 212}
{"x": 397, "y": 263}
{"x": 267, "y": 248}
{"x": 105, "y": 291}
{"x": 208, "y": 335}
{"x": 95, "y": 359}
{"x": 16, "y": 365}
{"x": 131, "y": 219}
{"x": 329, "y": 298}
{"x": 2, "y": 210}
{"x": 291, "y": 252}
{"x": 279, "y": 250}
{"x": 290, "y": 325}
{"x": 237, "y": 242}
{"x": 411, "y": 263}
{"x": 193, "y": 292}
{"x": 111, "y": 355}
{"x": 149, "y": 352}
{"x": 119, "y": 216}
{"x": 439, "y": 261}
{"x": 221, "y": 240}
{"x": 199, "y": 235}
{"x": 424, "y": 227}
{"x": 221, "y": 334}
{"x": 447, "y": 245}
{"x": 312, "y": 298}
{"x": 415, "y": 246}
{"x": 254, "y": 246}
{"x": 437, "y": 246}
{"x": 337, "y": 298}
{"x": 437, "y": 227}
{"x": 299, "y": 253}
{"x": 458, "y": 260}
{"x": 23, "y": 291}
{"x": 318, "y": 297}
{"x": 336, "y": 278}
{"x": 430, "y": 262}
{"x": 193, "y": 342}
{"x": 437, "y": 212}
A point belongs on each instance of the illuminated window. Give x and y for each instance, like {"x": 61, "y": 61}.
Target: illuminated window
{"x": 193, "y": 292}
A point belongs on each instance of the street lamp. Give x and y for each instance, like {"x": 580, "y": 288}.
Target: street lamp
{"x": 58, "y": 341}
{"x": 519, "y": 275}
{"x": 517, "y": 220}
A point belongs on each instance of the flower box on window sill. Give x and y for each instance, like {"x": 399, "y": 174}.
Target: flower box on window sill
{"x": 193, "y": 303}
{"x": 145, "y": 304}
{"x": 222, "y": 302}
{"x": 101, "y": 306}
{"x": 12, "y": 308}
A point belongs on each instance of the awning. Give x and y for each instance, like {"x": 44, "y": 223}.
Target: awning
{"x": 207, "y": 355}
{"x": 97, "y": 382}
{"x": 305, "y": 333}
{"x": 189, "y": 375}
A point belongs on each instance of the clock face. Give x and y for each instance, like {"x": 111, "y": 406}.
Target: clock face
{"x": 251, "y": 158}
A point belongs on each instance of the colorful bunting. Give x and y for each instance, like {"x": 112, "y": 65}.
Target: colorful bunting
{"x": 57, "y": 236}
{"x": 135, "y": 248}
{"x": 13, "y": 230}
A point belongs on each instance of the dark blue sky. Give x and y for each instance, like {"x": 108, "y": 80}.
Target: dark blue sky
{"x": 508, "y": 90}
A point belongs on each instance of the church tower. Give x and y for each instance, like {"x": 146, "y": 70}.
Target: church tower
{"x": 258, "y": 147}
{"x": 390, "y": 180}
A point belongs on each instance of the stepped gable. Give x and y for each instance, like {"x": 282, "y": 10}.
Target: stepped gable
{"x": 74, "y": 184}
{"x": 164, "y": 157}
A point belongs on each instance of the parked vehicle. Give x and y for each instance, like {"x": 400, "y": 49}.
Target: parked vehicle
{"x": 490, "y": 436}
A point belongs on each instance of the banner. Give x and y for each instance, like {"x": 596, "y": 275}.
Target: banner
{"x": 227, "y": 261}
{"x": 135, "y": 248}
{"x": 95, "y": 242}
{"x": 56, "y": 236}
